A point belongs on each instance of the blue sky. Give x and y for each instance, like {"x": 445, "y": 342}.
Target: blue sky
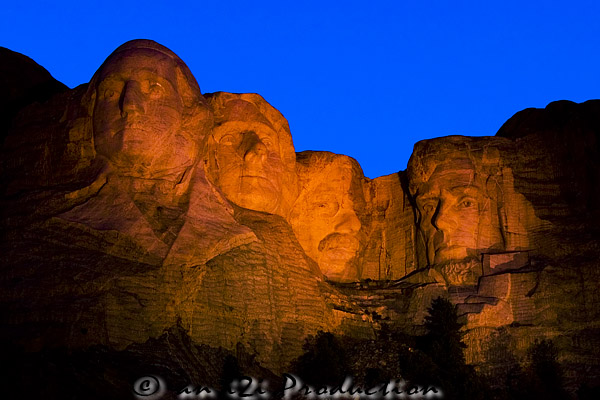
{"x": 366, "y": 79}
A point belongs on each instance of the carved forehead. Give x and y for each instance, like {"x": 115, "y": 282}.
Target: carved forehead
{"x": 317, "y": 164}
{"x": 239, "y": 128}
{"x": 151, "y": 56}
{"x": 458, "y": 155}
{"x": 247, "y": 112}
{"x": 325, "y": 171}
{"x": 447, "y": 176}
{"x": 139, "y": 62}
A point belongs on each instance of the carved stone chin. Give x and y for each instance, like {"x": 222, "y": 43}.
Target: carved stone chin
{"x": 461, "y": 273}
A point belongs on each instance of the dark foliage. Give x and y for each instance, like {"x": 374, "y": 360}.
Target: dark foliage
{"x": 586, "y": 392}
{"x": 230, "y": 372}
{"x": 540, "y": 378}
{"x": 324, "y": 361}
{"x": 434, "y": 359}
{"x": 443, "y": 344}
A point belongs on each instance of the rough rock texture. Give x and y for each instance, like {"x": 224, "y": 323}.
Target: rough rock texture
{"x": 355, "y": 228}
{"x": 328, "y": 217}
{"x": 528, "y": 258}
{"x": 250, "y": 154}
{"x": 22, "y": 82}
{"x": 138, "y": 213}
{"x": 113, "y": 233}
{"x": 390, "y": 253}
{"x": 466, "y": 206}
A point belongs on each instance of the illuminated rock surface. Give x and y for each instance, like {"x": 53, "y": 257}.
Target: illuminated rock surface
{"x": 250, "y": 155}
{"x": 326, "y": 214}
{"x": 135, "y": 209}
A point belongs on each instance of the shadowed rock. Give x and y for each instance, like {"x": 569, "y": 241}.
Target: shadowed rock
{"x": 22, "y": 82}
{"x": 133, "y": 205}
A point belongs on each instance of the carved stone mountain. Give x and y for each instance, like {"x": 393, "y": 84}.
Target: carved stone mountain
{"x": 136, "y": 209}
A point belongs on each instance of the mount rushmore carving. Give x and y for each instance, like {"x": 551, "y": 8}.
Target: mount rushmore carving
{"x": 135, "y": 203}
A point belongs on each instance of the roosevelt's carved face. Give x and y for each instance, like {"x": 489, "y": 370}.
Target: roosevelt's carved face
{"x": 325, "y": 221}
{"x": 456, "y": 214}
{"x": 138, "y": 113}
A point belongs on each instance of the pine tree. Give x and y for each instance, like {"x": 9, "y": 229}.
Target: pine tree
{"x": 545, "y": 371}
{"x": 443, "y": 343}
{"x": 324, "y": 361}
{"x": 443, "y": 340}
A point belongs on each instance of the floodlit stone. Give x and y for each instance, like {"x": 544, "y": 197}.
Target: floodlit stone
{"x": 250, "y": 155}
{"x": 466, "y": 205}
{"x": 326, "y": 214}
{"x": 136, "y": 238}
{"x": 134, "y": 208}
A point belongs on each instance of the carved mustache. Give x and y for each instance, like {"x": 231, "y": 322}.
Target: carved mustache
{"x": 339, "y": 240}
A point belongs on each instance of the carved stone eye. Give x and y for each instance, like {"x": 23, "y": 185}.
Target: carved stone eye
{"x": 109, "y": 94}
{"x": 326, "y": 208}
{"x": 467, "y": 203}
{"x": 154, "y": 89}
{"x": 227, "y": 140}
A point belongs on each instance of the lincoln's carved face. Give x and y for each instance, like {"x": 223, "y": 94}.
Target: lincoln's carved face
{"x": 138, "y": 113}
{"x": 456, "y": 214}
{"x": 324, "y": 217}
{"x": 249, "y": 166}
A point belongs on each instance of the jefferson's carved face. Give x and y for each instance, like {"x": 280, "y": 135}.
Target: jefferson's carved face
{"x": 248, "y": 165}
{"x": 457, "y": 216}
{"x": 325, "y": 221}
{"x": 138, "y": 112}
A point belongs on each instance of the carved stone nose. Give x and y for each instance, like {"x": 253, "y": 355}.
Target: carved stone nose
{"x": 347, "y": 222}
{"x": 132, "y": 99}
{"x": 442, "y": 219}
{"x": 253, "y": 149}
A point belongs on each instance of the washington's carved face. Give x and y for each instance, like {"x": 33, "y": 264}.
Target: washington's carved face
{"x": 249, "y": 167}
{"x": 138, "y": 112}
{"x": 456, "y": 215}
{"x": 325, "y": 221}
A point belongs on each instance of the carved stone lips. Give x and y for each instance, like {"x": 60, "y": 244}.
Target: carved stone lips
{"x": 342, "y": 242}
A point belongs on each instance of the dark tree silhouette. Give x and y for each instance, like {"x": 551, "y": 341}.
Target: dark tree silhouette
{"x": 324, "y": 361}
{"x": 544, "y": 370}
{"x": 231, "y": 371}
{"x": 443, "y": 340}
{"x": 443, "y": 343}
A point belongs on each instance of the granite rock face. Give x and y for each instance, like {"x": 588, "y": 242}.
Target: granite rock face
{"x": 509, "y": 225}
{"x": 22, "y": 82}
{"x": 135, "y": 208}
{"x": 250, "y": 154}
{"x": 329, "y": 214}
{"x": 116, "y": 225}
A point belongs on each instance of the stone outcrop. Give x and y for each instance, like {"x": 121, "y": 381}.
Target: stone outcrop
{"x": 114, "y": 230}
{"x": 135, "y": 209}
{"x": 513, "y": 221}
{"x": 22, "y": 82}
